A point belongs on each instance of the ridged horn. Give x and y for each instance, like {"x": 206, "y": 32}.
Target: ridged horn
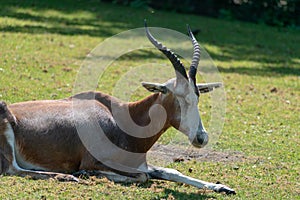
{"x": 195, "y": 59}
{"x": 196, "y": 56}
{"x": 178, "y": 66}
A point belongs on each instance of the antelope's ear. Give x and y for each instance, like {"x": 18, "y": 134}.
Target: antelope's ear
{"x": 208, "y": 87}
{"x": 155, "y": 87}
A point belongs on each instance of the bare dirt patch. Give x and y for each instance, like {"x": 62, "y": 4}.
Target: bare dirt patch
{"x": 160, "y": 153}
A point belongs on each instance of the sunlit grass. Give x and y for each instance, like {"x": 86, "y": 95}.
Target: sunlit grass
{"x": 43, "y": 45}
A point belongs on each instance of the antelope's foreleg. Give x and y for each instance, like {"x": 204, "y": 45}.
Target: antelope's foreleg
{"x": 174, "y": 175}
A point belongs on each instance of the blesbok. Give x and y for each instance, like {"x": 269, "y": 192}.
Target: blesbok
{"x": 48, "y": 138}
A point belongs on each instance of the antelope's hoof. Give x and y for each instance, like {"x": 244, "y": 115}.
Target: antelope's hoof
{"x": 224, "y": 189}
{"x": 64, "y": 177}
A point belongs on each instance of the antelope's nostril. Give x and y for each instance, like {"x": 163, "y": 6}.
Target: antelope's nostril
{"x": 201, "y": 139}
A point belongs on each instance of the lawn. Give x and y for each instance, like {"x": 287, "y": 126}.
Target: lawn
{"x": 43, "y": 44}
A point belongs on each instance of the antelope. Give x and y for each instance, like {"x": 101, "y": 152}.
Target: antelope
{"x": 41, "y": 138}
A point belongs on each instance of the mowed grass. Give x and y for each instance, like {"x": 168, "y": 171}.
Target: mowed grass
{"x": 42, "y": 45}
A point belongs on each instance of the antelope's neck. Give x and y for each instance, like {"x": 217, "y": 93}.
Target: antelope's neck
{"x": 136, "y": 115}
{"x": 139, "y": 112}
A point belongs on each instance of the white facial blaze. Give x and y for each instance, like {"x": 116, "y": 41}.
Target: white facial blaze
{"x": 190, "y": 121}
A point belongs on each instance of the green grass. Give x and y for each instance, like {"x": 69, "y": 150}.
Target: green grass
{"x": 42, "y": 45}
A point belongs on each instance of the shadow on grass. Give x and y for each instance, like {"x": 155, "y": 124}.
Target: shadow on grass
{"x": 97, "y": 19}
{"x": 263, "y": 71}
{"x": 183, "y": 195}
{"x": 100, "y": 18}
{"x": 269, "y": 63}
{"x": 169, "y": 192}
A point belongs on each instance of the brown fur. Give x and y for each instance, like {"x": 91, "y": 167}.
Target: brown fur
{"x": 43, "y": 128}
{"x": 5, "y": 150}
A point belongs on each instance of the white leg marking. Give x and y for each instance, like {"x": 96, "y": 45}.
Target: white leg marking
{"x": 174, "y": 175}
{"x": 10, "y": 137}
{"x": 124, "y": 179}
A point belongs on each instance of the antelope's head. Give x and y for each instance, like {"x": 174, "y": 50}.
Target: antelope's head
{"x": 181, "y": 94}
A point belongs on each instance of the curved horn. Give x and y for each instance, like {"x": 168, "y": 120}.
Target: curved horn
{"x": 178, "y": 66}
{"x": 195, "y": 59}
{"x": 196, "y": 56}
